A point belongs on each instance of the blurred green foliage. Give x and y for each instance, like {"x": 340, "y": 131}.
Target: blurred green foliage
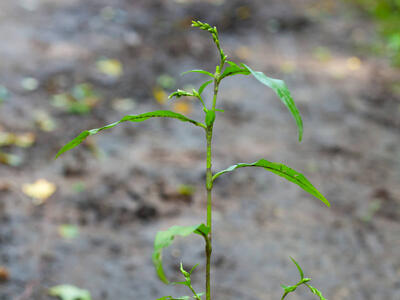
{"x": 386, "y": 14}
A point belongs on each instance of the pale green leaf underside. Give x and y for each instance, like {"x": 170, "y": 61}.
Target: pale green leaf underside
{"x": 283, "y": 93}
{"x": 164, "y": 239}
{"x": 283, "y": 171}
{"x": 234, "y": 69}
{"x": 131, "y": 118}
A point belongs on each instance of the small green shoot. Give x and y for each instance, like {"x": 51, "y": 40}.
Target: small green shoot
{"x": 223, "y": 70}
{"x": 164, "y": 239}
{"x": 303, "y": 281}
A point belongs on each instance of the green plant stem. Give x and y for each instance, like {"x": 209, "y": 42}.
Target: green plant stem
{"x": 197, "y": 297}
{"x": 208, "y": 248}
{"x": 209, "y": 175}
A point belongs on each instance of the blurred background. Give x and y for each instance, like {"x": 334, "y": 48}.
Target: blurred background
{"x": 90, "y": 217}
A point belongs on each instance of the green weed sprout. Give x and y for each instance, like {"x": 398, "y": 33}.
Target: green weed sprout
{"x": 225, "y": 69}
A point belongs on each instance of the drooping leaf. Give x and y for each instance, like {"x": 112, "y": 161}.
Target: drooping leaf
{"x": 283, "y": 171}
{"x": 234, "y": 69}
{"x": 199, "y": 71}
{"x": 69, "y": 292}
{"x": 203, "y": 86}
{"x": 298, "y": 268}
{"x": 131, "y": 118}
{"x": 164, "y": 239}
{"x": 283, "y": 93}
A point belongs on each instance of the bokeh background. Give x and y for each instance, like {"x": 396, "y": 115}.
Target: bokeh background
{"x": 89, "y": 218}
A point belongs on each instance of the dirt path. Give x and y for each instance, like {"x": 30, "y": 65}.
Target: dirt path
{"x": 351, "y": 151}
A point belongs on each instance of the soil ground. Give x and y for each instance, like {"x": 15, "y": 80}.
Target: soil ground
{"x": 121, "y": 197}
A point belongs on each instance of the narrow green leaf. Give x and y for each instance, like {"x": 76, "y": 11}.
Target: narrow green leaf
{"x": 283, "y": 93}
{"x": 192, "y": 269}
{"x": 283, "y": 171}
{"x": 234, "y": 69}
{"x": 199, "y": 71}
{"x": 164, "y": 239}
{"x": 298, "y": 268}
{"x": 131, "y": 118}
{"x": 203, "y": 86}
{"x": 316, "y": 292}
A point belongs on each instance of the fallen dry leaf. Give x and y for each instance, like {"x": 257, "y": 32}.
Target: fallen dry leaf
{"x": 40, "y": 190}
{"x": 110, "y": 67}
{"x": 68, "y": 231}
{"x": 4, "y": 274}
{"x": 182, "y": 107}
{"x": 160, "y": 95}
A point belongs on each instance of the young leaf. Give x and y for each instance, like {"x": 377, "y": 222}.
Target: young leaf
{"x": 298, "y": 268}
{"x": 288, "y": 290}
{"x": 203, "y": 26}
{"x": 192, "y": 269}
{"x": 199, "y": 71}
{"x": 283, "y": 171}
{"x": 131, "y": 118}
{"x": 316, "y": 292}
{"x": 234, "y": 69}
{"x": 203, "y": 86}
{"x": 180, "y": 93}
{"x": 165, "y": 238}
{"x": 283, "y": 93}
